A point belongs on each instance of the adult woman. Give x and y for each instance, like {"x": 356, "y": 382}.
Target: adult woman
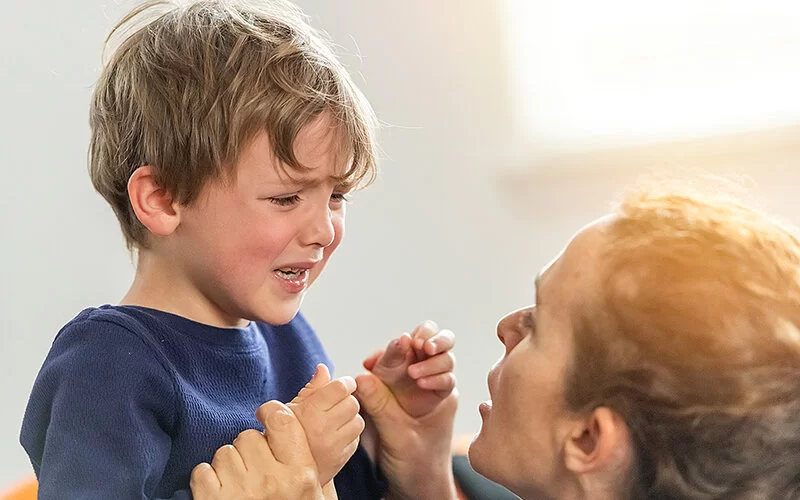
{"x": 661, "y": 360}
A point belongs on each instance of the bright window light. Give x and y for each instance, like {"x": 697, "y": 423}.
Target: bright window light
{"x": 632, "y": 71}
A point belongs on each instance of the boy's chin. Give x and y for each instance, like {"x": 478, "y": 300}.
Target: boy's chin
{"x": 279, "y": 315}
{"x": 281, "y": 320}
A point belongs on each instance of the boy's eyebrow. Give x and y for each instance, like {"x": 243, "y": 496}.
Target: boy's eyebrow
{"x": 312, "y": 181}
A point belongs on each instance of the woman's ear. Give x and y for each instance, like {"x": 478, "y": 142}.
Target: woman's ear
{"x": 598, "y": 443}
{"x": 153, "y": 204}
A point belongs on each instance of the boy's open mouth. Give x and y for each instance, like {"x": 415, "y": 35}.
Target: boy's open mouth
{"x": 291, "y": 273}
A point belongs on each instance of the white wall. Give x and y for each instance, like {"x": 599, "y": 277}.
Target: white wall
{"x": 445, "y": 233}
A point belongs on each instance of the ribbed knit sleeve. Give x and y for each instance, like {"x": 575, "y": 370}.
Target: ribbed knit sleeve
{"x": 100, "y": 415}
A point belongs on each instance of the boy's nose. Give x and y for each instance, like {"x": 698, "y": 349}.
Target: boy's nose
{"x": 320, "y": 230}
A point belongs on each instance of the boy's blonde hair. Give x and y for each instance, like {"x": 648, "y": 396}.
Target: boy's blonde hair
{"x": 695, "y": 341}
{"x": 189, "y": 85}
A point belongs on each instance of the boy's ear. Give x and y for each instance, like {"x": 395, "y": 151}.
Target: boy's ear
{"x": 152, "y": 204}
{"x": 598, "y": 443}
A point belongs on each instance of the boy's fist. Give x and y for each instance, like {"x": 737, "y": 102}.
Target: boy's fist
{"x": 329, "y": 414}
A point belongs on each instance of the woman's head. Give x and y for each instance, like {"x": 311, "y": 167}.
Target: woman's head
{"x": 662, "y": 360}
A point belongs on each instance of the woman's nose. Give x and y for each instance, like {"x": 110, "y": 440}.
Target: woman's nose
{"x": 508, "y": 330}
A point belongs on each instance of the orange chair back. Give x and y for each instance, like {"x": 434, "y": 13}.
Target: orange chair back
{"x": 26, "y": 489}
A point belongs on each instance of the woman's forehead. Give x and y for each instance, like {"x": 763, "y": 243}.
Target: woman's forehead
{"x": 576, "y": 271}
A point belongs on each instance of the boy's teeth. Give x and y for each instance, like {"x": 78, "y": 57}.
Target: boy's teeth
{"x": 289, "y": 272}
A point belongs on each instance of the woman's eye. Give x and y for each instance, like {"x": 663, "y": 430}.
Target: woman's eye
{"x": 285, "y": 201}
{"x": 528, "y": 321}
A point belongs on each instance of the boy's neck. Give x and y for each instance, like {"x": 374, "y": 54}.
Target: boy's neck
{"x": 160, "y": 285}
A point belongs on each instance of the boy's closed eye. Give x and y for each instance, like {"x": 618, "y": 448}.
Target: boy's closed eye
{"x": 285, "y": 201}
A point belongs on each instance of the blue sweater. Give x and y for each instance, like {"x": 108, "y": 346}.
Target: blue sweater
{"x": 130, "y": 399}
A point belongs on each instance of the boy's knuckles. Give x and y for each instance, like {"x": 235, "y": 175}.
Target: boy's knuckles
{"x": 360, "y": 424}
{"x": 349, "y": 418}
{"x": 350, "y": 449}
{"x": 343, "y": 387}
{"x": 345, "y": 435}
{"x": 353, "y": 428}
{"x": 353, "y": 407}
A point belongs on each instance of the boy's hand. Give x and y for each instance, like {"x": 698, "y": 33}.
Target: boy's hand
{"x": 418, "y": 368}
{"x": 278, "y": 465}
{"x": 330, "y": 416}
{"x": 411, "y": 400}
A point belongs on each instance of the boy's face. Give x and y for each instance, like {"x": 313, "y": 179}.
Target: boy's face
{"x": 251, "y": 247}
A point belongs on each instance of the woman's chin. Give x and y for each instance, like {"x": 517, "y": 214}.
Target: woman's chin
{"x": 477, "y": 454}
